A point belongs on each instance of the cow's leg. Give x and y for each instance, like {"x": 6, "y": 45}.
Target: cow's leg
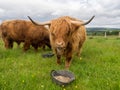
{"x": 18, "y": 44}
{"x": 58, "y": 59}
{"x": 48, "y": 44}
{"x": 6, "y": 43}
{"x": 26, "y": 45}
{"x": 58, "y": 56}
{"x": 10, "y": 44}
{"x": 79, "y": 50}
{"x": 68, "y": 60}
{"x": 35, "y": 47}
{"x": 43, "y": 46}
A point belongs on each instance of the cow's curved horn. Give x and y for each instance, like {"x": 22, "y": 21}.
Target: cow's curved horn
{"x": 79, "y": 23}
{"x": 38, "y": 23}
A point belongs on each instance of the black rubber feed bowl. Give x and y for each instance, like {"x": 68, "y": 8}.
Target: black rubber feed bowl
{"x": 47, "y": 55}
{"x": 62, "y": 77}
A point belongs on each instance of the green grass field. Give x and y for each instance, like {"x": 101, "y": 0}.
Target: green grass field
{"x": 97, "y": 69}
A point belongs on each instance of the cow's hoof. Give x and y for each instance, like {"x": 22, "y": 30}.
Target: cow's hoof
{"x": 67, "y": 67}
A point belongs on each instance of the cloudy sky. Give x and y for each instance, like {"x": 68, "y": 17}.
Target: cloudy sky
{"x": 107, "y": 12}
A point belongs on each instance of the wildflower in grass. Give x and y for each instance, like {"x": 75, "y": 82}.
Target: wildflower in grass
{"x": 33, "y": 76}
{"x": 76, "y": 86}
{"x": 21, "y": 64}
{"x": 64, "y": 89}
{"x": 42, "y": 86}
{"x": 80, "y": 58}
{"x": 23, "y": 81}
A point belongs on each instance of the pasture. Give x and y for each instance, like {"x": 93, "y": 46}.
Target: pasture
{"x": 98, "y": 68}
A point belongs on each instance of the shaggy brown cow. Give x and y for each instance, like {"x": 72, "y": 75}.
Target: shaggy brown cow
{"x": 67, "y": 36}
{"x": 24, "y": 31}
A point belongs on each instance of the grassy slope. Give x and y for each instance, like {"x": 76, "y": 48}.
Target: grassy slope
{"x": 97, "y": 69}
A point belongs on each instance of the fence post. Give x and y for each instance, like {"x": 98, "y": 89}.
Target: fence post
{"x": 105, "y": 34}
{"x": 119, "y": 35}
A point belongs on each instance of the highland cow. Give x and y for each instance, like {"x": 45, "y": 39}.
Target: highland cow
{"x": 24, "y": 31}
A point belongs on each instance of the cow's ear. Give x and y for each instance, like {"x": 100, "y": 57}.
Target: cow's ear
{"x": 47, "y": 26}
{"x": 75, "y": 26}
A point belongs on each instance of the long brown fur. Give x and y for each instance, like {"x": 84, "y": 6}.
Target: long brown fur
{"x": 24, "y": 31}
{"x": 72, "y": 36}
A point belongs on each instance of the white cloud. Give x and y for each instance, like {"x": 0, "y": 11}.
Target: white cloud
{"x": 107, "y": 11}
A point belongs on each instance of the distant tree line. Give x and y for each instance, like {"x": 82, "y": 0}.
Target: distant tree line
{"x": 102, "y": 31}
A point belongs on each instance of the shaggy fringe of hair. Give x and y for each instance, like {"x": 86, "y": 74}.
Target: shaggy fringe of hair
{"x": 78, "y": 37}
